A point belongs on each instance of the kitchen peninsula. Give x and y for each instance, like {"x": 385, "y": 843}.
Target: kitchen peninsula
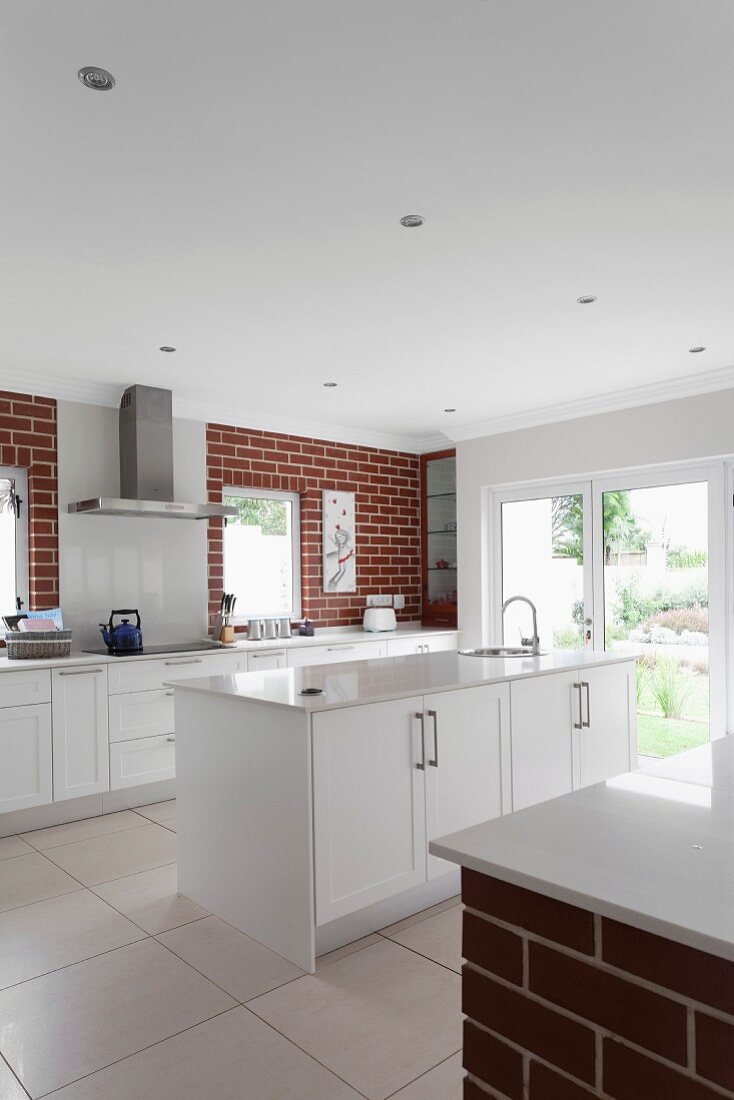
{"x": 304, "y": 819}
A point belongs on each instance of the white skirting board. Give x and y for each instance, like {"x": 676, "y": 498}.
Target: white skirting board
{"x": 76, "y": 809}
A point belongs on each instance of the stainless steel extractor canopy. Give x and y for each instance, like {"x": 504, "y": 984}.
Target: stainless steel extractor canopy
{"x": 146, "y": 464}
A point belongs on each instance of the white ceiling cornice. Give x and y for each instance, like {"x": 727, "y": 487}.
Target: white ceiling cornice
{"x": 100, "y": 393}
{"x": 653, "y": 393}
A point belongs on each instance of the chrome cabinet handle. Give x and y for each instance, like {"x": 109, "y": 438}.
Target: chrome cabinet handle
{"x": 587, "y": 723}
{"x": 580, "y": 724}
{"x": 82, "y": 672}
{"x": 169, "y": 693}
{"x": 186, "y": 661}
{"x": 432, "y": 714}
{"x": 170, "y": 739}
{"x": 337, "y": 648}
{"x": 422, "y": 719}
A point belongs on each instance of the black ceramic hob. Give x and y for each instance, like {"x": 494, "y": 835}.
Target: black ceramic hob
{"x": 147, "y": 650}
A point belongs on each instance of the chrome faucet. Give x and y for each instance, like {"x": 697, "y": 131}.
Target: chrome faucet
{"x": 535, "y": 640}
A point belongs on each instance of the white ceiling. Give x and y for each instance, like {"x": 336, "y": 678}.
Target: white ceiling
{"x": 238, "y": 195}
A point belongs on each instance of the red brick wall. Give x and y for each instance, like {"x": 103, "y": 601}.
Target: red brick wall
{"x": 563, "y": 1004}
{"x": 386, "y": 484}
{"x": 28, "y": 439}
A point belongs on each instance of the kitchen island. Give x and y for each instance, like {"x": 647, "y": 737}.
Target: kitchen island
{"x": 599, "y": 937}
{"x": 304, "y": 819}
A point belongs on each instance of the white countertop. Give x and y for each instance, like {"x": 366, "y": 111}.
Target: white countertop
{"x": 328, "y": 636}
{"x": 653, "y": 848}
{"x": 354, "y": 683}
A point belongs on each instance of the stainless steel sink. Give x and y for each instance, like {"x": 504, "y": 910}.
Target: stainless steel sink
{"x": 500, "y": 651}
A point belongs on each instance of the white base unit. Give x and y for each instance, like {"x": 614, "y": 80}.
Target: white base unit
{"x": 25, "y": 757}
{"x": 405, "y": 647}
{"x": 262, "y": 660}
{"x": 542, "y": 737}
{"x": 23, "y": 688}
{"x": 147, "y": 760}
{"x": 332, "y": 654}
{"x": 80, "y": 739}
{"x": 141, "y": 714}
{"x": 607, "y": 740}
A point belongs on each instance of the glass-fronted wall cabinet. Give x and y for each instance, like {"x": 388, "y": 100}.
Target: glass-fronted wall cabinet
{"x": 438, "y": 519}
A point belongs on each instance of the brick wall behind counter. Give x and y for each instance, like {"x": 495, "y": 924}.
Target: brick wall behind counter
{"x": 28, "y": 439}
{"x": 387, "y": 488}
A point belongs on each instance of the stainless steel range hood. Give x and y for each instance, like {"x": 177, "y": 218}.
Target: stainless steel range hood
{"x": 146, "y": 463}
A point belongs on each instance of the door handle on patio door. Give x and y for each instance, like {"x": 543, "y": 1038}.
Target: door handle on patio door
{"x": 587, "y": 723}
{"x": 580, "y": 724}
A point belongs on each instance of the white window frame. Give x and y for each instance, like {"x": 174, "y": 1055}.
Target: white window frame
{"x": 20, "y": 476}
{"x": 295, "y": 500}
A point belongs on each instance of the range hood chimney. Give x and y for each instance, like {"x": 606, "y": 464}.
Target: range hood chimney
{"x": 146, "y": 463}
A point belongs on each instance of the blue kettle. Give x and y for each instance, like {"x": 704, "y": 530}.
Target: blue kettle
{"x": 123, "y": 638}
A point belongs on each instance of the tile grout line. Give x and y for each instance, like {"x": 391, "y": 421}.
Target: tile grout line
{"x": 81, "y": 840}
{"x": 5, "y": 1062}
{"x": 422, "y": 1075}
{"x": 428, "y": 958}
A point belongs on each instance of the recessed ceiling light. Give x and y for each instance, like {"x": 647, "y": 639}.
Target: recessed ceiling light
{"x": 694, "y": 351}
{"x": 449, "y": 410}
{"x": 586, "y": 299}
{"x": 331, "y": 385}
{"x": 411, "y": 221}
{"x": 97, "y": 79}
{"x": 166, "y": 347}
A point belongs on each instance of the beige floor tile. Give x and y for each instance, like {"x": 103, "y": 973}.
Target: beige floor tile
{"x": 81, "y": 1019}
{"x": 170, "y": 825}
{"x": 234, "y": 1057}
{"x": 236, "y": 963}
{"x": 424, "y": 914}
{"x": 114, "y": 856}
{"x": 159, "y": 811}
{"x": 348, "y": 949}
{"x": 445, "y": 1082}
{"x": 13, "y": 846}
{"x": 42, "y": 839}
{"x": 151, "y": 899}
{"x": 9, "y": 1087}
{"x": 49, "y": 934}
{"x": 438, "y": 938}
{"x": 30, "y": 878}
{"x": 378, "y": 1018}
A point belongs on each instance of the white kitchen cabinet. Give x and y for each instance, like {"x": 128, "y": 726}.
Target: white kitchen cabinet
{"x": 607, "y": 741}
{"x": 332, "y": 654}
{"x": 544, "y": 709}
{"x": 25, "y": 756}
{"x": 140, "y": 714}
{"x": 405, "y": 647}
{"x": 368, "y": 805}
{"x": 24, "y": 688}
{"x": 147, "y": 760}
{"x": 468, "y": 767}
{"x": 129, "y": 675}
{"x": 261, "y": 660}
{"x": 80, "y": 731}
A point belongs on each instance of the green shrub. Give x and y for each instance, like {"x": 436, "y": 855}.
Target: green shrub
{"x": 633, "y": 608}
{"x": 670, "y": 686}
{"x": 640, "y": 681}
{"x": 679, "y": 558}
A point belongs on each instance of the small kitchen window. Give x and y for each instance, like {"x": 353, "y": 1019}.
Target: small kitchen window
{"x": 262, "y": 553}
{"x": 13, "y": 540}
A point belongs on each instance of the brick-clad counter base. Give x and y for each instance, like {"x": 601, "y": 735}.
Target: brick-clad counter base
{"x": 28, "y": 440}
{"x": 564, "y": 1004}
{"x": 387, "y": 500}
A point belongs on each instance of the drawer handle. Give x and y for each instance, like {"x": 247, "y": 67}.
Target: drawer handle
{"x": 82, "y": 672}
{"x": 337, "y": 648}
{"x": 170, "y": 739}
{"x": 186, "y": 661}
{"x": 261, "y": 656}
{"x": 169, "y": 693}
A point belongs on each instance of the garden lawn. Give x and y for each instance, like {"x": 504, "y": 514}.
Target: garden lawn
{"x": 658, "y": 736}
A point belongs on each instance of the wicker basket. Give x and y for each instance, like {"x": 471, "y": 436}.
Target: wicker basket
{"x": 41, "y": 645}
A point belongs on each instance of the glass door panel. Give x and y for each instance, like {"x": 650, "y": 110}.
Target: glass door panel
{"x": 546, "y": 556}
{"x": 656, "y": 606}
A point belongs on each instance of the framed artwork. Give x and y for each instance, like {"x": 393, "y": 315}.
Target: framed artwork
{"x": 340, "y": 567}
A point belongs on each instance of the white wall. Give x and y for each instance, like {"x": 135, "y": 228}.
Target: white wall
{"x": 672, "y": 431}
{"x": 106, "y": 562}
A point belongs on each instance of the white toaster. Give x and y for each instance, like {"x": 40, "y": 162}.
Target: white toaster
{"x": 379, "y": 618}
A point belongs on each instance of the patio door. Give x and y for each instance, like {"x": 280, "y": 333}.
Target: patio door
{"x": 631, "y": 563}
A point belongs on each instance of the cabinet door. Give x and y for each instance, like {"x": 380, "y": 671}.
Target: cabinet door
{"x": 544, "y": 709}
{"x": 261, "y": 660}
{"x": 147, "y": 760}
{"x": 404, "y": 647}
{"x": 25, "y": 752}
{"x": 331, "y": 654}
{"x": 369, "y": 805}
{"x": 140, "y": 714}
{"x": 468, "y": 774}
{"x": 80, "y": 742}
{"x": 608, "y": 738}
{"x": 441, "y": 643}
